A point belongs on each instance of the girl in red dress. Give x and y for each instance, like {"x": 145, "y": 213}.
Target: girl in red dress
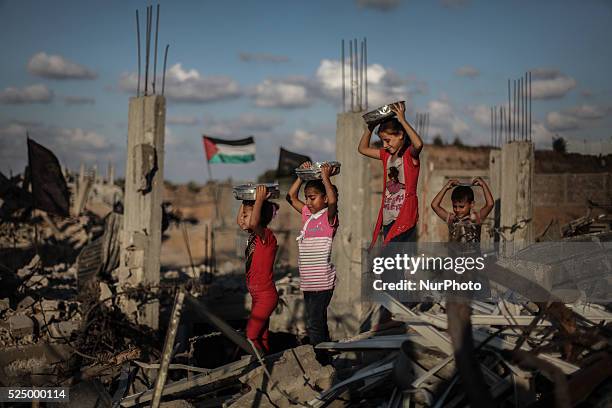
{"x": 254, "y": 217}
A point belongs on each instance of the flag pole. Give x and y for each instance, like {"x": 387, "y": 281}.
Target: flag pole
{"x": 210, "y": 177}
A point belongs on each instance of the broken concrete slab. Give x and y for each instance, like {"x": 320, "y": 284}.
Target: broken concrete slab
{"x": 21, "y": 325}
{"x": 25, "y": 303}
{"x": 296, "y": 377}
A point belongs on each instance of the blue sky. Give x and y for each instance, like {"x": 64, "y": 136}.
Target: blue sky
{"x": 270, "y": 69}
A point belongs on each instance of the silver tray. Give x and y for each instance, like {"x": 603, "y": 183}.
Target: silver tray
{"x": 375, "y": 117}
{"x": 247, "y": 191}
{"x": 314, "y": 172}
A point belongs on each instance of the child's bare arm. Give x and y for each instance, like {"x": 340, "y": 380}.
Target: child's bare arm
{"x": 436, "y": 203}
{"x": 330, "y": 192}
{"x": 490, "y": 203}
{"x": 292, "y": 196}
{"x": 261, "y": 194}
{"x": 415, "y": 138}
{"x": 364, "y": 144}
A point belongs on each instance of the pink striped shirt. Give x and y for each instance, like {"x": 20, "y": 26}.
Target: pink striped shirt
{"x": 315, "y": 246}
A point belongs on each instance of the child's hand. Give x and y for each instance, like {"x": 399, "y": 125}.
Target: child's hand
{"x": 261, "y": 193}
{"x": 478, "y": 181}
{"x": 400, "y": 110}
{"x": 326, "y": 171}
{"x": 306, "y": 165}
{"x": 451, "y": 183}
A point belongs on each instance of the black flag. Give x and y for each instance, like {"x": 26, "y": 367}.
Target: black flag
{"x": 288, "y": 162}
{"x": 49, "y": 189}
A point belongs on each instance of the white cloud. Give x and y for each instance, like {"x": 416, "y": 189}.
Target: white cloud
{"x": 188, "y": 85}
{"x": 287, "y": 93}
{"x": 304, "y": 141}
{"x": 382, "y": 5}
{"x": 71, "y": 145}
{"x": 467, "y": 71}
{"x": 587, "y": 112}
{"x": 182, "y": 120}
{"x": 262, "y": 57}
{"x": 384, "y": 86}
{"x": 559, "y": 122}
{"x": 79, "y": 100}
{"x": 445, "y": 121}
{"x": 30, "y": 94}
{"x": 244, "y": 123}
{"x": 573, "y": 118}
{"x": 541, "y": 135}
{"x": 549, "y": 83}
{"x": 481, "y": 114}
{"x": 57, "y": 67}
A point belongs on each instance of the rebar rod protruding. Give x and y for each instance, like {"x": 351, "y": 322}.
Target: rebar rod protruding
{"x": 164, "y": 73}
{"x": 530, "y": 101}
{"x": 351, "y": 76}
{"x": 138, "y": 45}
{"x": 356, "y": 76}
{"x": 155, "y": 51}
{"x": 343, "y": 85}
{"x": 514, "y": 113}
{"x": 147, "y": 49}
{"x": 508, "y": 113}
{"x": 365, "y": 58}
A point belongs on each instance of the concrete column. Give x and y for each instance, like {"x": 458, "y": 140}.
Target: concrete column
{"x": 355, "y": 230}
{"x": 81, "y": 175}
{"x": 111, "y": 174}
{"x": 518, "y": 163}
{"x": 144, "y": 177}
{"x": 495, "y": 184}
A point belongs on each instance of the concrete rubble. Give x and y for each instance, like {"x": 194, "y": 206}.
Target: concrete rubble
{"x": 62, "y": 324}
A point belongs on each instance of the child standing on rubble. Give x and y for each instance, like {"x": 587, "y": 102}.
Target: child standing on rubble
{"x": 317, "y": 273}
{"x": 402, "y": 145}
{"x": 254, "y": 217}
{"x": 464, "y": 223}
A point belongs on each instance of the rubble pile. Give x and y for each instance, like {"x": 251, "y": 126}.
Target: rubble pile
{"x": 61, "y": 324}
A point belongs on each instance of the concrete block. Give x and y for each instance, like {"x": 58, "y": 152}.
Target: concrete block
{"x": 296, "y": 372}
{"x": 4, "y": 304}
{"x": 64, "y": 329}
{"x": 21, "y": 325}
{"x": 25, "y": 303}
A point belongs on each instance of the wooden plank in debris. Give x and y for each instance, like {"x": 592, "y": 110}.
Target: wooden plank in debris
{"x": 437, "y": 339}
{"x": 392, "y": 342}
{"x": 479, "y": 336}
{"x": 228, "y": 371}
{"x": 175, "y": 318}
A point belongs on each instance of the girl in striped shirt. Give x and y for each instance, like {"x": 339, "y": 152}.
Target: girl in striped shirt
{"x": 317, "y": 273}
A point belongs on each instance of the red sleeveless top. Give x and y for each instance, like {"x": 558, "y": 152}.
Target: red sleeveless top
{"x": 409, "y": 213}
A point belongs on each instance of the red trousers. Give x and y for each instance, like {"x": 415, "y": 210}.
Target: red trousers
{"x": 264, "y": 302}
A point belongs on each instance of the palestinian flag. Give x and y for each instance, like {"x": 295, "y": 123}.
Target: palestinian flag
{"x": 229, "y": 151}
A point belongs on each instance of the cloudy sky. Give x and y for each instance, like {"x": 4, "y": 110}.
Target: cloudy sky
{"x": 271, "y": 69}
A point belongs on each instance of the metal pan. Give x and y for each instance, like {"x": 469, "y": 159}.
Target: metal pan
{"x": 314, "y": 172}
{"x": 378, "y": 115}
{"x": 247, "y": 191}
